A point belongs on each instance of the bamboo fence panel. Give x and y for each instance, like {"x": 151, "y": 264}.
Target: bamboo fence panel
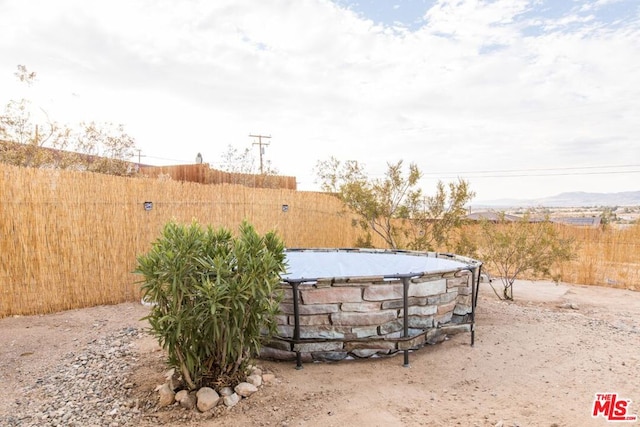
{"x": 203, "y": 174}
{"x": 71, "y": 239}
{"x": 604, "y": 256}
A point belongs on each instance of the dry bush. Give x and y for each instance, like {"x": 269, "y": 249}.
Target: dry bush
{"x": 606, "y": 256}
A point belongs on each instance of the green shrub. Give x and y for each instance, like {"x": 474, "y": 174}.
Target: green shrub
{"x": 511, "y": 248}
{"x": 214, "y": 298}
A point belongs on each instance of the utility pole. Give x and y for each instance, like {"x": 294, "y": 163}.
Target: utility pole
{"x": 260, "y": 143}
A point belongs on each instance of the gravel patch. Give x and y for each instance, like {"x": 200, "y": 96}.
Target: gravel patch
{"x": 90, "y": 388}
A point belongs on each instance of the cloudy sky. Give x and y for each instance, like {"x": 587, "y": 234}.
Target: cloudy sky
{"x": 523, "y": 98}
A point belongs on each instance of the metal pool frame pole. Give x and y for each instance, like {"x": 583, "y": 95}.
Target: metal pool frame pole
{"x": 406, "y": 281}
{"x": 475, "y": 290}
{"x": 405, "y": 318}
{"x": 296, "y": 325}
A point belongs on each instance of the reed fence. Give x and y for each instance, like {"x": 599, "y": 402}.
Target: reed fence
{"x": 203, "y": 174}
{"x": 70, "y": 239}
{"x": 605, "y": 256}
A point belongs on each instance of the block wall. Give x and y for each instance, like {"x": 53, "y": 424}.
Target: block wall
{"x": 362, "y": 317}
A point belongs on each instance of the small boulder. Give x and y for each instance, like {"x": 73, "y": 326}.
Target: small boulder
{"x": 245, "y": 389}
{"x": 226, "y": 391}
{"x": 170, "y": 373}
{"x": 166, "y": 395}
{"x": 207, "y": 398}
{"x": 231, "y": 400}
{"x": 570, "y": 305}
{"x": 186, "y": 399}
{"x": 171, "y": 378}
{"x": 254, "y": 379}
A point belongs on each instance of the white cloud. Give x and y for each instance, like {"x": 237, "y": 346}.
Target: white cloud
{"x": 470, "y": 90}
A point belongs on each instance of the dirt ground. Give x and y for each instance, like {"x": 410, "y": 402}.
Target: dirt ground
{"x": 536, "y": 362}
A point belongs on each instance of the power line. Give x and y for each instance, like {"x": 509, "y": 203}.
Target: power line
{"x": 540, "y": 174}
{"x": 536, "y": 169}
{"x": 164, "y": 158}
{"x": 597, "y": 107}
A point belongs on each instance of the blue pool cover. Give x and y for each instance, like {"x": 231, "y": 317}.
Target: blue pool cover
{"x": 340, "y": 263}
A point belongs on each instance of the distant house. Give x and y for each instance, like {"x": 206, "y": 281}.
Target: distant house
{"x": 492, "y": 216}
{"x": 592, "y": 221}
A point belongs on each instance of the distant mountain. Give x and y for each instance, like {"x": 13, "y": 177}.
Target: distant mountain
{"x": 568, "y": 200}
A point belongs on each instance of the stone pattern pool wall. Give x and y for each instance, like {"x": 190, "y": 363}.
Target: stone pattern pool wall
{"x": 362, "y": 317}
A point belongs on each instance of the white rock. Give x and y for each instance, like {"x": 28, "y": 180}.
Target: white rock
{"x": 226, "y": 391}
{"x": 185, "y": 399}
{"x": 570, "y": 305}
{"x": 245, "y": 389}
{"x": 207, "y": 398}
{"x": 254, "y": 379}
{"x": 181, "y": 395}
{"x": 170, "y": 373}
{"x": 167, "y": 396}
{"x": 171, "y": 377}
{"x": 231, "y": 400}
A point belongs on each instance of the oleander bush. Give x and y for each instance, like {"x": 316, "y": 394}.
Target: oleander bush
{"x": 214, "y": 298}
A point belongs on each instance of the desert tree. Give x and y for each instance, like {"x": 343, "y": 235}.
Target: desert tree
{"x": 105, "y": 146}
{"x": 237, "y": 161}
{"x": 434, "y": 218}
{"x": 512, "y": 248}
{"x": 242, "y": 161}
{"x": 18, "y": 125}
{"x": 394, "y": 207}
{"x": 26, "y": 140}
{"x": 242, "y": 164}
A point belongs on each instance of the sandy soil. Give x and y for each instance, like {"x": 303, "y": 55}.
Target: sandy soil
{"x": 535, "y": 362}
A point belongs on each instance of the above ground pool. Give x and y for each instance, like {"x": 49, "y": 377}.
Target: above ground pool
{"x": 359, "y": 303}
